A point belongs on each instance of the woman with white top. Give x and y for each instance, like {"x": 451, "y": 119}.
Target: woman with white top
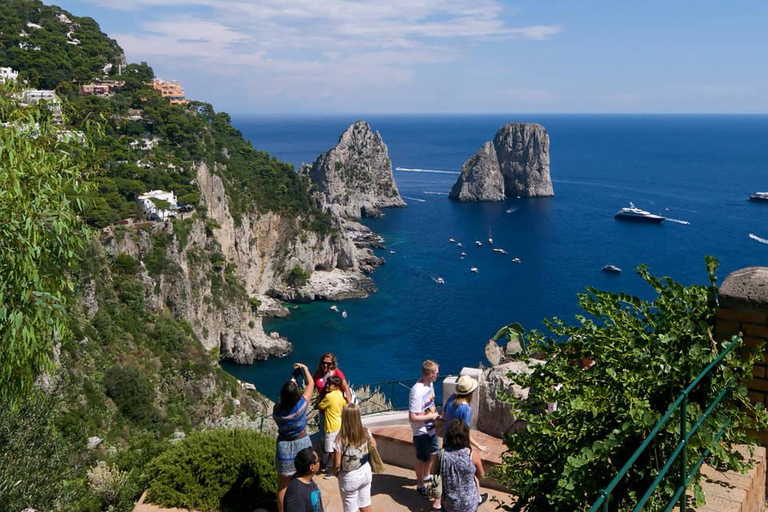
{"x": 350, "y": 463}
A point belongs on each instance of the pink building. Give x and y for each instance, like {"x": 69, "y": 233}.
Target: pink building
{"x": 170, "y": 90}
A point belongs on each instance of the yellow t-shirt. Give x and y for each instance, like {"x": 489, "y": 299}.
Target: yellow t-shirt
{"x": 332, "y": 405}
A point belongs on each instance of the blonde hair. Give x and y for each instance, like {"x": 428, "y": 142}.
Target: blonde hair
{"x": 428, "y": 367}
{"x": 352, "y": 432}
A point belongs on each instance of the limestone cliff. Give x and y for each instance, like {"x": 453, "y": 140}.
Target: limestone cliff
{"x": 480, "y": 179}
{"x": 520, "y": 156}
{"x": 215, "y": 274}
{"x": 354, "y": 179}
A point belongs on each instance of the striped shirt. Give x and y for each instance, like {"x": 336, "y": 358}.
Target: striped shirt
{"x": 291, "y": 424}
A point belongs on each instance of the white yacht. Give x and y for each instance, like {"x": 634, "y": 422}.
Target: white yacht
{"x": 335, "y": 308}
{"x": 499, "y": 250}
{"x": 613, "y": 269}
{"x": 451, "y": 239}
{"x": 634, "y": 213}
{"x": 516, "y": 260}
{"x": 759, "y": 196}
{"x": 440, "y": 280}
{"x": 478, "y": 243}
{"x": 490, "y": 238}
{"x": 459, "y": 244}
{"x": 474, "y": 269}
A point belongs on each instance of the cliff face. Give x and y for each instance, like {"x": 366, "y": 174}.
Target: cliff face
{"x": 354, "y": 178}
{"x": 481, "y": 178}
{"x": 215, "y": 273}
{"x": 519, "y": 155}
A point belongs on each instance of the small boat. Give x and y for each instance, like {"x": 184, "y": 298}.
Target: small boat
{"x": 512, "y": 210}
{"x": 612, "y": 269}
{"x": 463, "y": 255}
{"x": 440, "y": 280}
{"x": 335, "y": 308}
{"x": 459, "y": 245}
{"x": 474, "y": 269}
{"x": 516, "y": 260}
{"x": 490, "y": 238}
{"x": 343, "y": 314}
{"x": 634, "y": 213}
{"x": 500, "y": 251}
{"x": 391, "y": 251}
{"x": 759, "y": 196}
{"x": 478, "y": 243}
{"x": 451, "y": 239}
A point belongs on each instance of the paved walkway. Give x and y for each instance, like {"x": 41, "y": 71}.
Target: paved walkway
{"x": 395, "y": 490}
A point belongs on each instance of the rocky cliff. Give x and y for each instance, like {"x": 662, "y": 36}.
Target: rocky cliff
{"x": 218, "y": 276}
{"x": 354, "y": 179}
{"x": 519, "y": 155}
{"x": 480, "y": 179}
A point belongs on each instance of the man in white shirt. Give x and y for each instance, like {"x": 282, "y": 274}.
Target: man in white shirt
{"x": 422, "y": 414}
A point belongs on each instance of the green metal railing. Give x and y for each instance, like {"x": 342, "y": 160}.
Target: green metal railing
{"x": 685, "y": 476}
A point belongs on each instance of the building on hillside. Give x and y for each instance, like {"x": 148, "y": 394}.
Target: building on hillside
{"x": 63, "y": 18}
{"x": 171, "y": 90}
{"x": 38, "y": 96}
{"x": 159, "y": 204}
{"x": 103, "y": 88}
{"x": 8, "y": 75}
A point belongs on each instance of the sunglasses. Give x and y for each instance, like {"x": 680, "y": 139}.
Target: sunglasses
{"x": 327, "y": 363}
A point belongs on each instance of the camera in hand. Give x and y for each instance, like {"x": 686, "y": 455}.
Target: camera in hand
{"x": 297, "y": 373}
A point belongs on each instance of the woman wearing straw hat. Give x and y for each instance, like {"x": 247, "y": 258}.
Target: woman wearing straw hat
{"x": 459, "y": 405}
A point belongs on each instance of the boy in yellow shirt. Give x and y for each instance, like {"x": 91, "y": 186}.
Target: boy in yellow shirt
{"x": 332, "y": 405}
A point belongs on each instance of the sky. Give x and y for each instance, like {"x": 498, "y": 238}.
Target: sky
{"x": 299, "y": 57}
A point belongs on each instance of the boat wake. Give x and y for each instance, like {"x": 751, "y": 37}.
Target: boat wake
{"x": 436, "y": 193}
{"x": 414, "y": 199}
{"x": 758, "y": 239}
{"x": 433, "y": 171}
{"x": 678, "y": 221}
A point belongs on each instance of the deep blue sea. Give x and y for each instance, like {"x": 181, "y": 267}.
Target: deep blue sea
{"x": 697, "y": 169}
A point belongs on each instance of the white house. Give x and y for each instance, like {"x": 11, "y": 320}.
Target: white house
{"x": 33, "y": 25}
{"x": 151, "y": 209}
{"x": 8, "y": 74}
{"x": 63, "y": 18}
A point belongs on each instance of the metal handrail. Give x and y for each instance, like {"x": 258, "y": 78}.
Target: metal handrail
{"x": 681, "y": 450}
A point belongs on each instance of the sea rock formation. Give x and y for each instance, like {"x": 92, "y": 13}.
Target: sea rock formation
{"x": 481, "y": 178}
{"x": 354, "y": 179}
{"x": 520, "y": 156}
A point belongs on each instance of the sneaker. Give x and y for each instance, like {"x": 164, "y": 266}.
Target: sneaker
{"x": 427, "y": 478}
{"x": 483, "y": 498}
{"x": 423, "y": 492}
{"x": 328, "y": 473}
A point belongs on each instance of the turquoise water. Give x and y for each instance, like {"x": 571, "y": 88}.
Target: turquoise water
{"x": 697, "y": 169}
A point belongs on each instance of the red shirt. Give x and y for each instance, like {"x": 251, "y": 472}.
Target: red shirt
{"x": 321, "y": 379}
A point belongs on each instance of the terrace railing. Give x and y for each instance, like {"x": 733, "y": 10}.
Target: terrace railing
{"x": 684, "y": 474}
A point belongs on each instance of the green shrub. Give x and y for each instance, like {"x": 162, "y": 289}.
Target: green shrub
{"x": 229, "y": 470}
{"x": 132, "y": 393}
{"x": 298, "y": 276}
{"x": 613, "y": 375}
{"x": 125, "y": 264}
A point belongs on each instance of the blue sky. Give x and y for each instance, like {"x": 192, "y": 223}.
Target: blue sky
{"x": 460, "y": 56}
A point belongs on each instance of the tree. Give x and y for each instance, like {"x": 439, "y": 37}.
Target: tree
{"x": 40, "y": 237}
{"x": 613, "y": 376}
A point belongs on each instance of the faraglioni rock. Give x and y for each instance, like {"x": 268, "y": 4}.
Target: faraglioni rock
{"x": 520, "y": 155}
{"x": 354, "y": 179}
{"x": 481, "y": 178}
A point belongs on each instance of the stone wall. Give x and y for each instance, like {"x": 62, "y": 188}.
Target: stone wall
{"x": 743, "y": 308}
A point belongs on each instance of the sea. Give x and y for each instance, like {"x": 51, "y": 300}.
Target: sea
{"x": 696, "y": 170}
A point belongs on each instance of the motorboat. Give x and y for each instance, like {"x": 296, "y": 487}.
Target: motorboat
{"x": 516, "y": 260}
{"x": 490, "y": 238}
{"x": 511, "y": 210}
{"x": 335, "y": 308}
{"x": 391, "y": 251}
{"x": 451, "y": 239}
{"x": 499, "y": 250}
{"x": 343, "y": 314}
{"x": 440, "y": 280}
{"x": 478, "y": 243}
{"x": 474, "y": 269}
{"x": 759, "y": 196}
{"x": 459, "y": 245}
{"x": 612, "y": 269}
{"x": 634, "y": 213}
{"x": 463, "y": 255}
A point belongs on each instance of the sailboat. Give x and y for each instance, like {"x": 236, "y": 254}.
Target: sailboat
{"x": 490, "y": 238}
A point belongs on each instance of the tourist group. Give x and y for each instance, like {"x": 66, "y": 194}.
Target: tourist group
{"x": 449, "y": 477}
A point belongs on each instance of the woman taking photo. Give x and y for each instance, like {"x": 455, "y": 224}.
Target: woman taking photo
{"x": 460, "y": 468}
{"x": 290, "y": 414}
{"x": 350, "y": 463}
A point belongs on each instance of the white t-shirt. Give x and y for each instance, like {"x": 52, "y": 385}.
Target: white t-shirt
{"x": 421, "y": 400}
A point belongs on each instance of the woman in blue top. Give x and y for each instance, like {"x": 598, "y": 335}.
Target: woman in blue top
{"x": 290, "y": 414}
{"x": 459, "y": 406}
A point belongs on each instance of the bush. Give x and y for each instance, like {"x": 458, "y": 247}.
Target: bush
{"x": 132, "y": 393}
{"x": 229, "y": 470}
{"x": 125, "y": 264}
{"x": 613, "y": 376}
{"x": 298, "y": 276}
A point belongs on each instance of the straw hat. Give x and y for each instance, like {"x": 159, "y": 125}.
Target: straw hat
{"x": 465, "y": 385}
